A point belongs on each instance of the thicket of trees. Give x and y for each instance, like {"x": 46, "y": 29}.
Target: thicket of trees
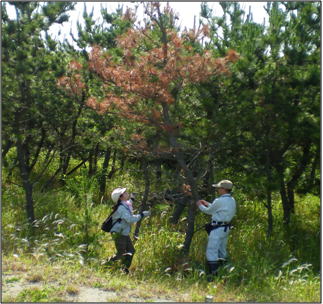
{"x": 229, "y": 98}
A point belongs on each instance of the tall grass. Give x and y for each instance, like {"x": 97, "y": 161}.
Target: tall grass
{"x": 284, "y": 267}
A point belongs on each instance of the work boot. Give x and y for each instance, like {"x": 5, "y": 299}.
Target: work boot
{"x": 221, "y": 261}
{"x": 212, "y": 268}
{"x": 125, "y": 270}
{"x": 127, "y": 260}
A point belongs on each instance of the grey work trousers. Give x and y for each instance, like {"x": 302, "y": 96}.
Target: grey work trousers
{"x": 217, "y": 244}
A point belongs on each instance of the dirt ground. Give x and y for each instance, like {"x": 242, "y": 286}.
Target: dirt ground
{"x": 13, "y": 284}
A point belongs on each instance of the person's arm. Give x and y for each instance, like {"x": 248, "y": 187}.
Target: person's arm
{"x": 206, "y": 207}
{"x": 129, "y": 218}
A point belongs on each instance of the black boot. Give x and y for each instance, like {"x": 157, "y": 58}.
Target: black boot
{"x": 212, "y": 268}
{"x": 126, "y": 261}
{"x": 221, "y": 261}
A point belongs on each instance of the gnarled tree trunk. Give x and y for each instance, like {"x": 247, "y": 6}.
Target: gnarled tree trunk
{"x": 143, "y": 206}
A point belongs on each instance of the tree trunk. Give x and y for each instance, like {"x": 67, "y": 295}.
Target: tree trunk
{"x": 5, "y": 150}
{"x": 62, "y": 162}
{"x": 208, "y": 179}
{"x": 291, "y": 198}
{"x": 113, "y": 166}
{"x": 189, "y": 180}
{"x": 158, "y": 173}
{"x": 178, "y": 197}
{"x": 39, "y": 147}
{"x": 70, "y": 144}
{"x": 178, "y": 210}
{"x": 297, "y": 174}
{"x": 269, "y": 190}
{"x": 25, "y": 176}
{"x": 95, "y": 158}
{"x": 311, "y": 178}
{"x": 90, "y": 159}
{"x": 269, "y": 214}
{"x": 65, "y": 164}
{"x": 284, "y": 198}
{"x": 50, "y": 181}
{"x": 78, "y": 166}
{"x": 145, "y": 198}
{"x": 103, "y": 175}
{"x": 122, "y": 162}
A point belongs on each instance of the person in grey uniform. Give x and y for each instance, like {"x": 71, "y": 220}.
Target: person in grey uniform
{"x": 222, "y": 211}
{"x": 122, "y": 218}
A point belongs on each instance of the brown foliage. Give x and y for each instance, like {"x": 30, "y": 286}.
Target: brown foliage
{"x": 149, "y": 70}
{"x": 149, "y": 75}
{"x": 73, "y": 84}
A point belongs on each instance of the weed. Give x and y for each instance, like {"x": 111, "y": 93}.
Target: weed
{"x": 9, "y": 299}
{"x": 34, "y": 294}
{"x": 72, "y": 290}
{"x": 18, "y": 266}
{"x": 12, "y": 280}
{"x": 68, "y": 245}
{"x": 35, "y": 278}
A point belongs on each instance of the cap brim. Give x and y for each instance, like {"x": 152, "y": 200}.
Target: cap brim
{"x": 215, "y": 186}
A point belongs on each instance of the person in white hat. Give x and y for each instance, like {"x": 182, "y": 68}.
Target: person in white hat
{"x": 222, "y": 211}
{"x": 123, "y": 217}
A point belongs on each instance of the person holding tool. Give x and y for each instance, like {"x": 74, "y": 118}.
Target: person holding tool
{"x": 222, "y": 210}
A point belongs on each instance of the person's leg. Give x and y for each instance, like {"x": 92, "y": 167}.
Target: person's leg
{"x": 223, "y": 255}
{"x": 212, "y": 254}
{"x": 120, "y": 242}
{"x": 128, "y": 255}
{"x": 212, "y": 248}
{"x": 216, "y": 253}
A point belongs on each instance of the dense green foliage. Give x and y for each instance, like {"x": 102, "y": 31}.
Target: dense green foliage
{"x": 257, "y": 125}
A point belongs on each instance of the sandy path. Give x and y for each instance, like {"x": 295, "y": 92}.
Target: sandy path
{"x": 12, "y": 288}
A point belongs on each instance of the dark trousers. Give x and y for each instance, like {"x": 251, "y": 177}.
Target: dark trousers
{"x": 125, "y": 249}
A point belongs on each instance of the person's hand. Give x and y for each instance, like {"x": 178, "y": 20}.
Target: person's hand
{"x": 198, "y": 203}
{"x": 202, "y": 202}
{"x": 145, "y": 213}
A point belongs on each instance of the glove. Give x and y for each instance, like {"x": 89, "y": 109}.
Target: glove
{"x": 145, "y": 213}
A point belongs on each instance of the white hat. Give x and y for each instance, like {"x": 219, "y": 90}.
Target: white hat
{"x": 116, "y": 193}
{"x": 225, "y": 184}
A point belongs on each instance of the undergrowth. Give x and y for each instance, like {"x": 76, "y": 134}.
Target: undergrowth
{"x": 283, "y": 267}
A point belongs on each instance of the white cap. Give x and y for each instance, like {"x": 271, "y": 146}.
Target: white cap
{"x": 225, "y": 184}
{"x": 116, "y": 193}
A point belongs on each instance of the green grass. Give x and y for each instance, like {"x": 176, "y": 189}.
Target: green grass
{"x": 290, "y": 285}
{"x": 67, "y": 247}
{"x": 11, "y": 280}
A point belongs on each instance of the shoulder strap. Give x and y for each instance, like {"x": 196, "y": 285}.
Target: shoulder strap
{"x": 115, "y": 207}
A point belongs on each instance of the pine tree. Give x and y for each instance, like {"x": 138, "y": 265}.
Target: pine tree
{"x": 27, "y": 67}
{"x": 143, "y": 79}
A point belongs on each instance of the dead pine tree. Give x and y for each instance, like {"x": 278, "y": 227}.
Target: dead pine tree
{"x": 143, "y": 85}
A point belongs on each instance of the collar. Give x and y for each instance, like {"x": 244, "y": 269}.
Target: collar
{"x": 226, "y": 195}
{"x": 127, "y": 205}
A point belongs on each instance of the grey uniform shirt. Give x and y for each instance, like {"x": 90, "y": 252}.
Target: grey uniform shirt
{"x": 222, "y": 208}
{"x": 127, "y": 218}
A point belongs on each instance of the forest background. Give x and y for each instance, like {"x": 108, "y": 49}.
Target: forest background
{"x": 165, "y": 112}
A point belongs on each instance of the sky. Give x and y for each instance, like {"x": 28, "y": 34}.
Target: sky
{"x": 185, "y": 10}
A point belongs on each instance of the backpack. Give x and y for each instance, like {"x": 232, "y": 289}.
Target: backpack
{"x": 108, "y": 223}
